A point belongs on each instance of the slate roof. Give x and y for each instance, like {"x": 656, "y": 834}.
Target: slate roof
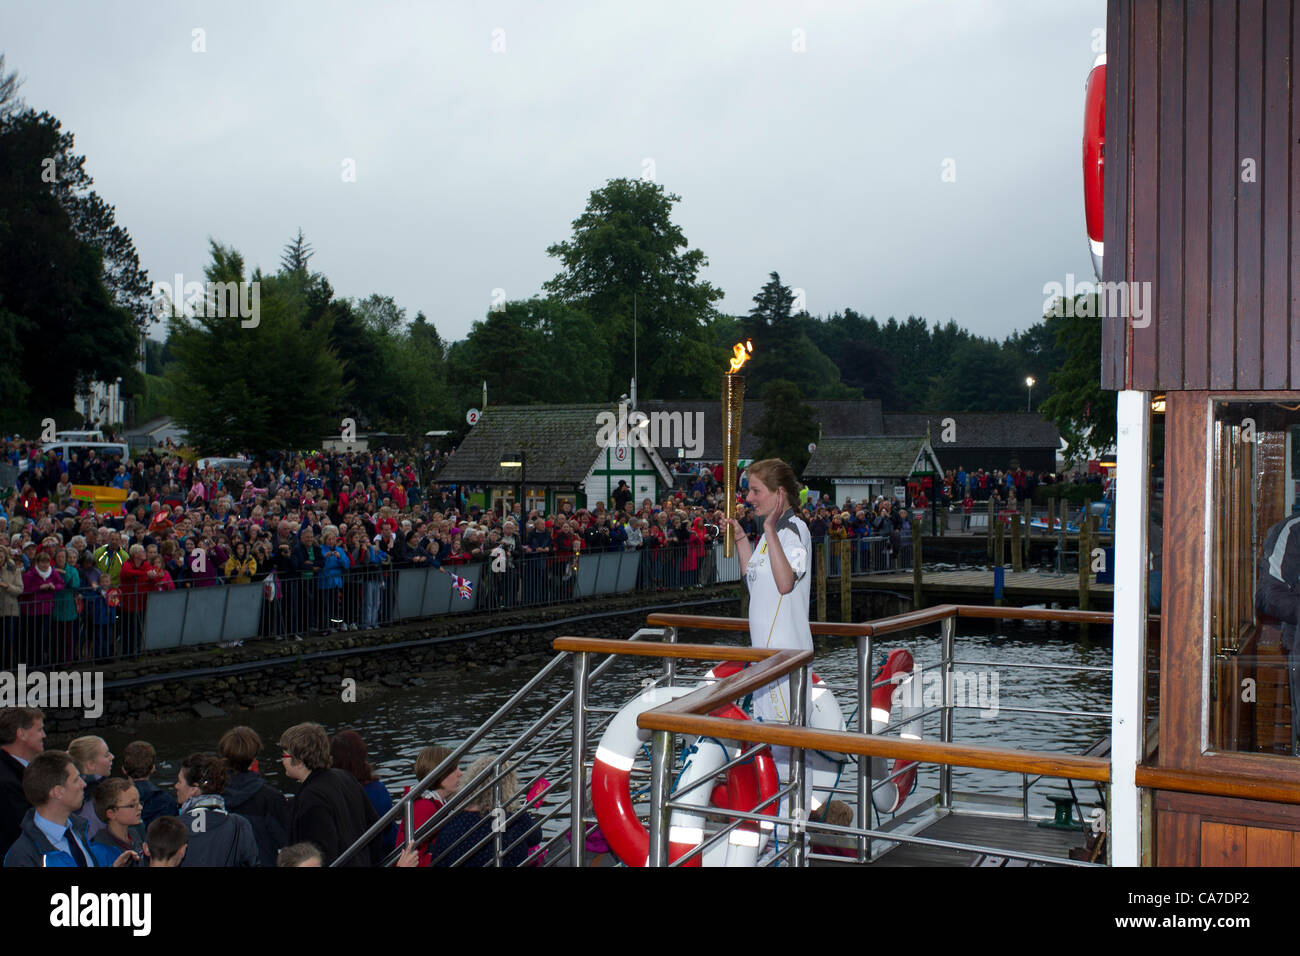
{"x": 558, "y": 443}
{"x": 864, "y": 457}
{"x": 1015, "y": 430}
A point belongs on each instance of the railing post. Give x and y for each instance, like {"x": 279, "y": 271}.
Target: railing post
{"x": 949, "y": 631}
{"x": 819, "y": 565}
{"x": 661, "y": 760}
{"x": 578, "y": 779}
{"x": 846, "y": 580}
{"x": 670, "y": 663}
{"x": 798, "y": 760}
{"x": 864, "y": 727}
{"x": 498, "y": 819}
{"x": 408, "y": 823}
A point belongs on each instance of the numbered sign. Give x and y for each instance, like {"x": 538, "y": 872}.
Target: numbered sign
{"x": 471, "y": 416}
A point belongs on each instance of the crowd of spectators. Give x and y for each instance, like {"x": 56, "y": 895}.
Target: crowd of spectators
{"x": 67, "y": 808}
{"x": 323, "y": 533}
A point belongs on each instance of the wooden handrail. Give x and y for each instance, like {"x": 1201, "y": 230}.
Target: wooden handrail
{"x": 704, "y": 622}
{"x": 703, "y": 652}
{"x": 898, "y": 622}
{"x": 684, "y": 716}
{"x": 1189, "y": 781}
{"x": 1035, "y": 614}
{"x": 670, "y": 717}
{"x": 712, "y": 696}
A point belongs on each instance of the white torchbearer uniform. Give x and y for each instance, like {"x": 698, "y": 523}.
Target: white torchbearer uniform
{"x": 776, "y": 619}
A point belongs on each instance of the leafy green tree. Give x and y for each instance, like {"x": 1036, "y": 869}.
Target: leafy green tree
{"x": 786, "y": 427}
{"x": 61, "y": 321}
{"x": 1083, "y": 411}
{"x": 982, "y": 377}
{"x": 784, "y": 350}
{"x": 626, "y": 257}
{"x": 531, "y": 351}
{"x": 274, "y": 385}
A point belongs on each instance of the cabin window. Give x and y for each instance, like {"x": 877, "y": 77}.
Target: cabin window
{"x": 1253, "y": 577}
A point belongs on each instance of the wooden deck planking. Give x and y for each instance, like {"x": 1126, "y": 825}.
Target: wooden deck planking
{"x": 1000, "y": 832}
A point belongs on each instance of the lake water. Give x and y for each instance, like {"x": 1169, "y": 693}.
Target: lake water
{"x": 396, "y": 724}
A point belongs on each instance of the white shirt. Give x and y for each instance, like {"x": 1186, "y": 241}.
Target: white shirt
{"x": 776, "y": 619}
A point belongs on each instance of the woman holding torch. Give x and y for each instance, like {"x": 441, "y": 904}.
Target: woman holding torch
{"x": 775, "y": 569}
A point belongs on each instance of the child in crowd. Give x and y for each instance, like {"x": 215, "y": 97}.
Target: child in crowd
{"x": 138, "y": 765}
{"x": 166, "y": 842}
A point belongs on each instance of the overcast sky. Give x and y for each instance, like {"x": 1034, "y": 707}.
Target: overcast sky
{"x": 807, "y": 138}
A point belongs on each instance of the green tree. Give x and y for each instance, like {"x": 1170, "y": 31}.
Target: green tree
{"x": 531, "y": 351}
{"x": 1083, "y": 411}
{"x": 786, "y": 427}
{"x": 61, "y": 321}
{"x": 275, "y": 385}
{"x": 296, "y": 253}
{"x": 628, "y": 258}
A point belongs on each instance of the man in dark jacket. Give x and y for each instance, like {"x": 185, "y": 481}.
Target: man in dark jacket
{"x": 52, "y": 832}
{"x": 1278, "y": 596}
{"x": 22, "y": 737}
{"x": 331, "y": 810}
{"x": 249, "y": 795}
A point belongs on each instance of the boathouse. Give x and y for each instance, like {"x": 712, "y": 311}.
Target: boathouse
{"x": 1201, "y": 337}
{"x": 863, "y": 467}
{"x": 550, "y": 455}
{"x": 988, "y": 440}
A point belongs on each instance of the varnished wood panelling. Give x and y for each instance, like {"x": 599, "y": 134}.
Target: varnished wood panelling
{"x": 1200, "y": 187}
{"x": 1266, "y": 847}
{"x": 1223, "y": 194}
{"x": 1223, "y": 845}
{"x": 1274, "y": 190}
{"x": 1196, "y": 185}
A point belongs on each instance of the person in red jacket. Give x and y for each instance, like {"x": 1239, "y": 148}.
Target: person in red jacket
{"x": 435, "y": 796}
{"x": 139, "y": 578}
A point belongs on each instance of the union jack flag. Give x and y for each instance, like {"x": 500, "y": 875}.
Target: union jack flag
{"x": 462, "y": 585}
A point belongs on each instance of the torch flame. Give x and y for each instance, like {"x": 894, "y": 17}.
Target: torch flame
{"x": 740, "y": 355}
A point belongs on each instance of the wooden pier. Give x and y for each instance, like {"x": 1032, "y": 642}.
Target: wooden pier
{"x": 976, "y": 587}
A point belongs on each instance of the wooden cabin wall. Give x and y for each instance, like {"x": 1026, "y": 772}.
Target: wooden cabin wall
{"x": 1201, "y": 193}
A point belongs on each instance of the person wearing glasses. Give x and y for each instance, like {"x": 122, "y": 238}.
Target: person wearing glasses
{"x": 117, "y": 802}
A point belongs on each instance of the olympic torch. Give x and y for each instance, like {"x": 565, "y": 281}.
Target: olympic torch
{"x": 733, "y": 400}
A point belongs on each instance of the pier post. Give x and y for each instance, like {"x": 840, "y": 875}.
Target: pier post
{"x": 990, "y": 533}
{"x": 1085, "y": 567}
{"x": 1051, "y": 514}
{"x": 1029, "y": 517}
{"x": 999, "y": 547}
{"x": 1016, "y": 552}
{"x": 917, "y": 601}
{"x": 846, "y": 580}
{"x": 822, "y": 558}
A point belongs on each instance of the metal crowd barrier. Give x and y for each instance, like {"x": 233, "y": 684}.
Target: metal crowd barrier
{"x": 86, "y": 627}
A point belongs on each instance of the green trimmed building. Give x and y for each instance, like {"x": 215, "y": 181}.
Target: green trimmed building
{"x": 547, "y": 455}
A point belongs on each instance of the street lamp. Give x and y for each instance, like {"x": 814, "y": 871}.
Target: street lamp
{"x": 518, "y": 463}
{"x": 1029, "y": 402}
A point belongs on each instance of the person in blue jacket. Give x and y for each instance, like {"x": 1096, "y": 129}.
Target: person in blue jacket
{"x": 330, "y": 585}
{"x": 52, "y": 834}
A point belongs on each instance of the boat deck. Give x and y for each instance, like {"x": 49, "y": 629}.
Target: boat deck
{"x": 1010, "y": 833}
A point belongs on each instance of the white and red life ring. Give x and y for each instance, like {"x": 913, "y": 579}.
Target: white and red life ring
{"x": 897, "y": 673}
{"x": 824, "y": 714}
{"x": 611, "y": 793}
{"x": 1094, "y": 159}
